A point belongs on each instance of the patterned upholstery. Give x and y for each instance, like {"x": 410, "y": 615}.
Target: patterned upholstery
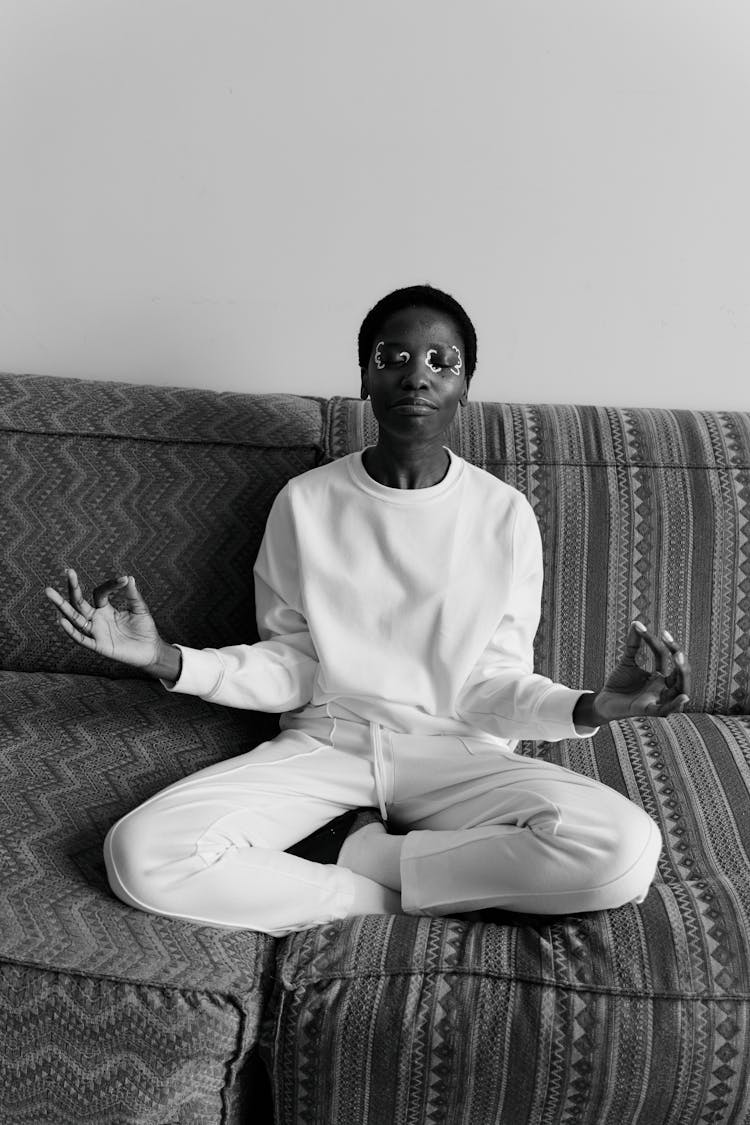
{"x": 108, "y": 1014}
{"x": 170, "y": 485}
{"x": 637, "y": 1016}
{"x": 642, "y": 513}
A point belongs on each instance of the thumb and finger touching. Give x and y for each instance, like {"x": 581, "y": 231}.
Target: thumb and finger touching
{"x": 100, "y": 626}
{"x": 676, "y": 683}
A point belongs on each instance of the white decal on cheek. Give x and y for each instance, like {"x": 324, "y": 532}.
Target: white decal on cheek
{"x": 457, "y": 369}
{"x": 432, "y": 351}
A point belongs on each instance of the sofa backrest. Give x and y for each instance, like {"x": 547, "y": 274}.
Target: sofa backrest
{"x": 643, "y": 513}
{"x": 170, "y": 485}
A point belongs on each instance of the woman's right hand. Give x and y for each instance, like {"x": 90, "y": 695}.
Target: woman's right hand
{"x": 128, "y": 635}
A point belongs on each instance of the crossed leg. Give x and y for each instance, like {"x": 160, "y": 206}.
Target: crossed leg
{"x": 486, "y": 827}
{"x": 481, "y": 827}
{"x": 211, "y": 848}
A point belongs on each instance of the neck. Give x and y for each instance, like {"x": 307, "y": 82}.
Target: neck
{"x": 407, "y": 465}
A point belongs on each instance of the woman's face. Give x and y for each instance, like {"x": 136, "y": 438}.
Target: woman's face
{"x": 415, "y": 377}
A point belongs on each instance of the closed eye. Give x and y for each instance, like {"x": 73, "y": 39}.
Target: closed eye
{"x": 391, "y": 359}
{"x": 397, "y": 360}
{"x": 435, "y": 362}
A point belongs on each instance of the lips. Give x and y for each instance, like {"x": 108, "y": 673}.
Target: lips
{"x": 414, "y": 405}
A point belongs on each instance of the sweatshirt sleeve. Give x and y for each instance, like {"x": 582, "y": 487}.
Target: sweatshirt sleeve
{"x": 278, "y": 672}
{"x": 503, "y": 695}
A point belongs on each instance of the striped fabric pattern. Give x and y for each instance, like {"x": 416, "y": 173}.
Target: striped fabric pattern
{"x": 643, "y": 513}
{"x": 636, "y": 1016}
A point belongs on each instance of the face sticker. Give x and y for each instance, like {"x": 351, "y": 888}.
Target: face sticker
{"x": 379, "y": 359}
{"x": 432, "y": 351}
{"x": 436, "y": 370}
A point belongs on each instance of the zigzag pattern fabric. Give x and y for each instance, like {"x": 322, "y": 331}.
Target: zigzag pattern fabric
{"x": 125, "y": 1016}
{"x": 639, "y": 1016}
{"x": 170, "y": 485}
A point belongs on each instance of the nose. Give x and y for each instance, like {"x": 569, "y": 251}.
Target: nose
{"x": 415, "y": 372}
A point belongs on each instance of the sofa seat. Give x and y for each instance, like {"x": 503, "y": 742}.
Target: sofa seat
{"x": 625, "y": 1017}
{"x": 134, "y": 1018}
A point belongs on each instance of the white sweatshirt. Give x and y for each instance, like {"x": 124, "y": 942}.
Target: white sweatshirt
{"x": 412, "y": 608}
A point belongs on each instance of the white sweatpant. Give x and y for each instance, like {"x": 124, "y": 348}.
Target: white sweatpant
{"x": 482, "y": 827}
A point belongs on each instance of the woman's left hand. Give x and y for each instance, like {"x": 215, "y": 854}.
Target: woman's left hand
{"x": 632, "y": 690}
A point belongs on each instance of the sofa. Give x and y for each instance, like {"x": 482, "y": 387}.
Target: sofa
{"x": 634, "y": 1016}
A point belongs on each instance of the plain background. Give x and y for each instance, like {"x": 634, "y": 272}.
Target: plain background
{"x": 212, "y": 193}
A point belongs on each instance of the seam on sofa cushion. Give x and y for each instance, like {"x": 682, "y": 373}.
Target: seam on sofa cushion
{"x": 293, "y": 982}
{"x": 54, "y": 435}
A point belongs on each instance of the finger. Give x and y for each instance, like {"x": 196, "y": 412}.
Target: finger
{"x": 633, "y": 640}
{"x": 75, "y": 594}
{"x": 661, "y": 658}
{"x": 678, "y": 680}
{"x": 684, "y": 673}
{"x": 67, "y": 610}
{"x": 79, "y": 637}
{"x": 136, "y": 603}
{"x": 674, "y": 679}
{"x": 670, "y": 642}
{"x": 102, "y": 593}
{"x": 673, "y": 706}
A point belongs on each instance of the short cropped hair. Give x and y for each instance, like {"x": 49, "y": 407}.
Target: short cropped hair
{"x": 414, "y": 296}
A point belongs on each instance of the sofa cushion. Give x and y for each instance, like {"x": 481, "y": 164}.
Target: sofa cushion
{"x": 643, "y": 513}
{"x": 168, "y": 484}
{"x": 109, "y": 1013}
{"x": 640, "y": 1014}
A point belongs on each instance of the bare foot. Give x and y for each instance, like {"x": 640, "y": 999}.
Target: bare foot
{"x": 357, "y": 844}
{"x": 373, "y": 852}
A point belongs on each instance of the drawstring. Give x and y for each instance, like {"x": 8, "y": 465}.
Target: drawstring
{"x": 376, "y": 741}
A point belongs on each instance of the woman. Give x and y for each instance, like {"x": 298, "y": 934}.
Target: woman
{"x": 398, "y": 593}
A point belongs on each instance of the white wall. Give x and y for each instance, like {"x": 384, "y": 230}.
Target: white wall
{"x": 214, "y": 192}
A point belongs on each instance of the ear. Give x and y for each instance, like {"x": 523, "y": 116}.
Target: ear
{"x": 464, "y": 395}
{"x": 364, "y": 388}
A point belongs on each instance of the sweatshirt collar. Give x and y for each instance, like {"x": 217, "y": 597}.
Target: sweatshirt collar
{"x": 405, "y": 496}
